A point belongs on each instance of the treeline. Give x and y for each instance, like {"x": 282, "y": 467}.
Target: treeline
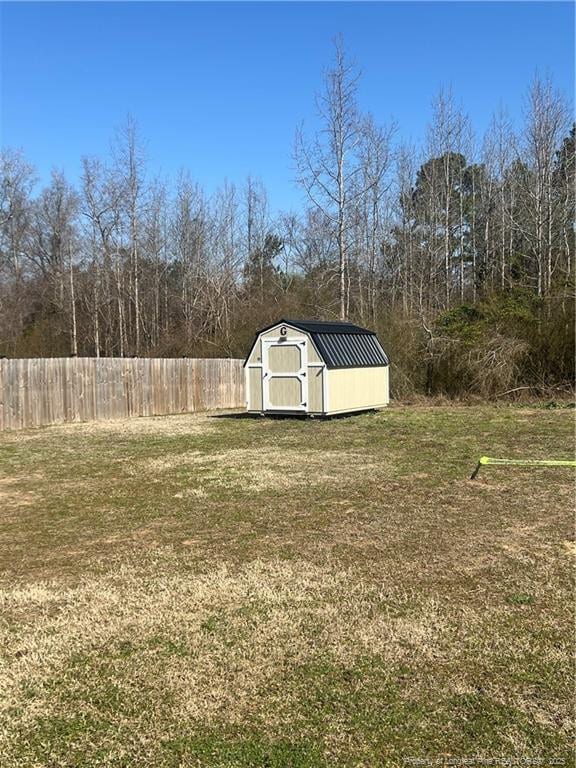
{"x": 459, "y": 253}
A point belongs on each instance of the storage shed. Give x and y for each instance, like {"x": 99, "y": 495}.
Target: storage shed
{"x": 316, "y": 368}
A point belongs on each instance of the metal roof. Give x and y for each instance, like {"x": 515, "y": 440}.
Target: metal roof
{"x": 350, "y": 350}
{"x": 341, "y": 345}
{"x": 326, "y": 326}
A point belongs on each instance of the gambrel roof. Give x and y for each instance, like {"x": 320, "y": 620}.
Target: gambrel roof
{"x": 340, "y": 344}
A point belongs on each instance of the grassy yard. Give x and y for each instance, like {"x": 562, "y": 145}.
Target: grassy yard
{"x": 208, "y": 591}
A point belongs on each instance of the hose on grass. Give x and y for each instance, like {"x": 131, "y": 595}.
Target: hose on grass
{"x": 522, "y": 463}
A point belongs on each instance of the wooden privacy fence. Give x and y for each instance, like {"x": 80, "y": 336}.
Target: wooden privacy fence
{"x": 43, "y": 391}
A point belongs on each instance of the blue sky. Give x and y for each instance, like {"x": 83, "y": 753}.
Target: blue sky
{"x": 219, "y": 88}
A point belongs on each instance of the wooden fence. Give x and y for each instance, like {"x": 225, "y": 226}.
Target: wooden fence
{"x": 43, "y": 391}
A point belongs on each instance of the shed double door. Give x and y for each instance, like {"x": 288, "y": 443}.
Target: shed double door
{"x": 285, "y": 375}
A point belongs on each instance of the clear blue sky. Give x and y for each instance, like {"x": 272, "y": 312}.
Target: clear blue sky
{"x": 220, "y": 88}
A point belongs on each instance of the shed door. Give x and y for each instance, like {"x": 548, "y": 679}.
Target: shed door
{"x": 284, "y": 375}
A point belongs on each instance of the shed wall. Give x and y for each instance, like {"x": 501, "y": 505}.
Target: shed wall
{"x": 254, "y": 393}
{"x": 315, "y": 389}
{"x": 256, "y": 353}
{"x": 284, "y": 392}
{"x": 356, "y": 388}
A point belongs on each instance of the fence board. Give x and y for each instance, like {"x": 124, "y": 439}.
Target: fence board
{"x": 41, "y": 391}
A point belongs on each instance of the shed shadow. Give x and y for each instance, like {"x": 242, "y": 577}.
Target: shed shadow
{"x": 234, "y": 415}
{"x": 258, "y": 416}
{"x": 293, "y": 416}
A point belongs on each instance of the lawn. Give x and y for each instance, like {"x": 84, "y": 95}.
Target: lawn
{"x": 232, "y": 592}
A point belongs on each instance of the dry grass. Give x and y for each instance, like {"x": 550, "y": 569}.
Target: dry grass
{"x": 209, "y": 592}
{"x": 183, "y": 425}
{"x": 11, "y": 497}
{"x": 265, "y": 468}
{"x": 263, "y": 615}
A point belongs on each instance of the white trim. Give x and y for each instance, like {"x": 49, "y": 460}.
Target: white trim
{"x": 285, "y": 339}
{"x": 325, "y": 375}
{"x": 285, "y": 375}
{"x": 247, "y": 388}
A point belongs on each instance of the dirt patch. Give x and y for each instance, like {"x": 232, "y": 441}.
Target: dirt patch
{"x": 12, "y": 496}
{"x": 186, "y": 424}
{"x": 569, "y": 548}
{"x": 178, "y": 424}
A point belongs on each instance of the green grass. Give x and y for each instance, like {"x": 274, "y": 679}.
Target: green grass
{"x": 201, "y": 591}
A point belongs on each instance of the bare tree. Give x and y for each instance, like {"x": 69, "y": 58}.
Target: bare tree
{"x": 16, "y": 184}
{"x": 129, "y": 169}
{"x": 446, "y": 143}
{"x": 546, "y": 124}
{"x": 101, "y": 210}
{"x": 373, "y": 205}
{"x": 497, "y": 153}
{"x": 154, "y": 251}
{"x": 413, "y": 274}
{"x": 54, "y": 244}
{"x": 255, "y": 206}
{"x": 328, "y": 166}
